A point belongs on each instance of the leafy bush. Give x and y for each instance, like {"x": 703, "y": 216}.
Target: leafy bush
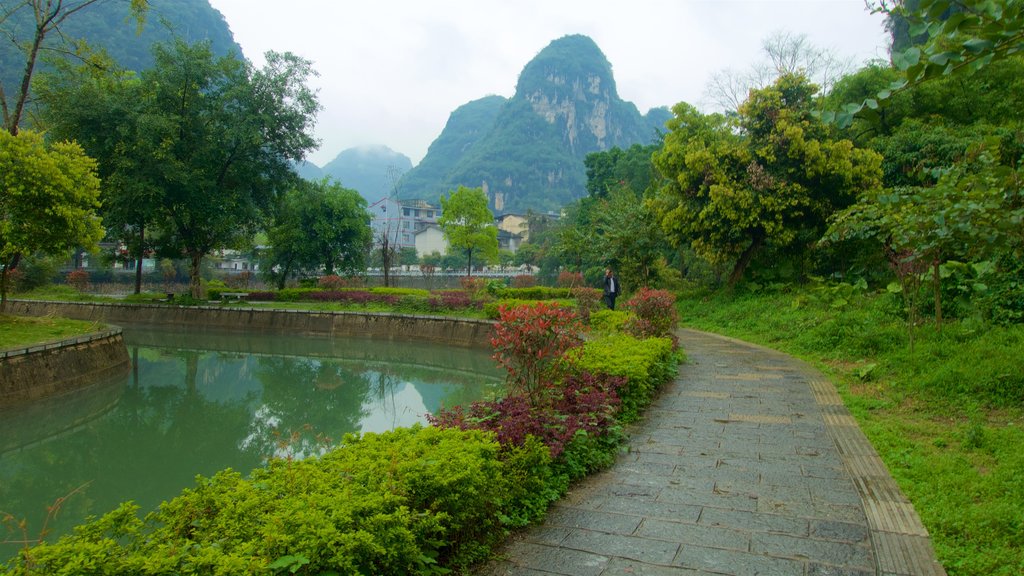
{"x": 214, "y": 288}
{"x": 580, "y": 403}
{"x": 529, "y": 342}
{"x": 409, "y": 501}
{"x": 77, "y": 279}
{"x": 473, "y": 284}
{"x": 524, "y": 281}
{"x": 588, "y": 301}
{"x": 451, "y": 300}
{"x": 360, "y": 297}
{"x": 645, "y": 364}
{"x": 335, "y": 282}
{"x": 568, "y": 279}
{"x": 608, "y": 320}
{"x": 265, "y": 296}
{"x": 492, "y": 309}
{"x": 654, "y": 314}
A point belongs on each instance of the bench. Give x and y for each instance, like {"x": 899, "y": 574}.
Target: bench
{"x": 233, "y": 295}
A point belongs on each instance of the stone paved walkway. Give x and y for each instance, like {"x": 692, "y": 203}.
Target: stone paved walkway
{"x": 747, "y": 464}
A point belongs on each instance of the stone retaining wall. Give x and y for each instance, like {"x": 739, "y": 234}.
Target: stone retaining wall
{"x": 49, "y": 369}
{"x": 442, "y": 329}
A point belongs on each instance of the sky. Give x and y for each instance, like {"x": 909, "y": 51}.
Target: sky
{"x": 392, "y": 71}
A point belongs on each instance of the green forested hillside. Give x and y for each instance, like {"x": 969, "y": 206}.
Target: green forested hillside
{"x": 107, "y": 25}
{"x": 466, "y": 126}
{"x": 531, "y": 156}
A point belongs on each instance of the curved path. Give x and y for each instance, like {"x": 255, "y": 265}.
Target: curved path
{"x": 747, "y": 464}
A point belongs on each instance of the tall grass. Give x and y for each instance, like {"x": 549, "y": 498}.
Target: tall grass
{"x": 947, "y": 418}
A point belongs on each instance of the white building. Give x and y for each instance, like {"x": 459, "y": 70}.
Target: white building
{"x": 429, "y": 240}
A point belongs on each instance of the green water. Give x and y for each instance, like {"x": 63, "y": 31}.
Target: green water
{"x": 198, "y": 403}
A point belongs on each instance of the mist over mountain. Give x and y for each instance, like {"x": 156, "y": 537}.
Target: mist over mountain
{"x": 108, "y": 25}
{"x": 371, "y": 170}
{"x": 528, "y": 151}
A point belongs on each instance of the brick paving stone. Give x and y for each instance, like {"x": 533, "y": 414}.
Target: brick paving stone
{"x": 735, "y": 563}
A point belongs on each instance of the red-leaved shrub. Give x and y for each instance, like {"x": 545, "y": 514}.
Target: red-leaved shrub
{"x": 451, "y": 300}
{"x": 584, "y": 402}
{"x": 334, "y": 282}
{"x": 654, "y": 314}
{"x": 567, "y": 279}
{"x": 78, "y": 279}
{"x": 587, "y": 300}
{"x": 524, "y": 281}
{"x": 530, "y": 342}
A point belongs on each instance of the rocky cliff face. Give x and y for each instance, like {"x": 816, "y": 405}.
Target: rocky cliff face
{"x": 531, "y": 157}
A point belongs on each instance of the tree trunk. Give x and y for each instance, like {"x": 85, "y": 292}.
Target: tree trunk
{"x": 138, "y": 260}
{"x": 744, "y": 260}
{"x": 195, "y": 285}
{"x": 469, "y": 263}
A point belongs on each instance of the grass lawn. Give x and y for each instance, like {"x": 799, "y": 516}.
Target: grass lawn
{"x": 947, "y": 418}
{"x": 22, "y": 331}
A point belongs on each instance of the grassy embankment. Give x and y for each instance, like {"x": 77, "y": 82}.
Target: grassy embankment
{"x": 19, "y": 331}
{"x": 947, "y": 418}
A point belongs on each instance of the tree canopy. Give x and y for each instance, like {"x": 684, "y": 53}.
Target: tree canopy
{"x": 208, "y": 142}
{"x": 768, "y": 178}
{"x": 468, "y": 223}
{"x": 319, "y": 226}
{"x": 48, "y": 199}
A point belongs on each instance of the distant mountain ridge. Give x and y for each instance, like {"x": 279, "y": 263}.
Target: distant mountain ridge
{"x": 528, "y": 151}
{"x": 373, "y": 171}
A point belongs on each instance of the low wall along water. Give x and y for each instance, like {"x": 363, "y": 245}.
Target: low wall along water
{"x": 46, "y": 370}
{"x": 42, "y": 371}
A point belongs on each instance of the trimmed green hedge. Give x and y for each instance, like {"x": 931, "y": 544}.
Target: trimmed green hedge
{"x": 646, "y": 364}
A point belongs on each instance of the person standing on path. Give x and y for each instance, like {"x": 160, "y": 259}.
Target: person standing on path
{"x": 611, "y": 288}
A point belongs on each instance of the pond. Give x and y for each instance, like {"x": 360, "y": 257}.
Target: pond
{"x": 198, "y": 403}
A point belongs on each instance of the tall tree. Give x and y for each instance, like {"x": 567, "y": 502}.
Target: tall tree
{"x": 210, "y": 141}
{"x": 48, "y": 200}
{"x": 105, "y": 110}
{"x": 48, "y": 16}
{"x": 318, "y": 226}
{"x": 468, "y": 224}
{"x": 766, "y": 179}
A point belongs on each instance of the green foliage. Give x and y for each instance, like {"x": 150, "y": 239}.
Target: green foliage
{"x": 608, "y": 320}
{"x": 319, "y": 226}
{"x": 411, "y": 501}
{"x": 767, "y": 179}
{"x": 537, "y": 293}
{"x": 48, "y": 200}
{"x": 468, "y": 223}
{"x": 957, "y": 38}
{"x": 206, "y": 142}
{"x": 529, "y": 342}
{"x": 493, "y": 308}
{"x": 646, "y": 364}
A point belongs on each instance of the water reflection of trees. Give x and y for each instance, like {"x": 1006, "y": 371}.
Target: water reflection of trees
{"x": 163, "y": 431}
{"x": 308, "y": 404}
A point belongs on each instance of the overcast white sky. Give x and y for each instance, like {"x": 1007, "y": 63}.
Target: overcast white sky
{"x": 391, "y": 71}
